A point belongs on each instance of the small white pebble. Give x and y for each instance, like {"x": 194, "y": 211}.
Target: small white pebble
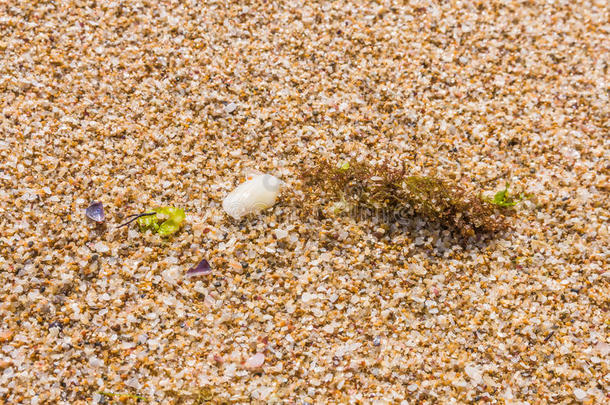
{"x": 229, "y": 108}
{"x": 96, "y": 362}
{"x": 133, "y": 382}
{"x": 262, "y": 392}
{"x": 281, "y": 233}
{"x": 255, "y": 361}
{"x": 579, "y": 394}
{"x": 153, "y": 344}
{"x": 474, "y": 373}
{"x": 230, "y": 370}
{"x": 603, "y": 348}
{"x": 306, "y": 297}
{"x": 199, "y": 287}
{"x": 101, "y": 247}
{"x": 412, "y": 387}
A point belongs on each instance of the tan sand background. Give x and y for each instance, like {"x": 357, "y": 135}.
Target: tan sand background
{"x": 129, "y": 103}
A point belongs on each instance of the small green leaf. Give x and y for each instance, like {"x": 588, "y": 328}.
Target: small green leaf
{"x": 344, "y": 166}
{"x": 172, "y": 224}
{"x": 172, "y": 218}
{"x": 168, "y": 227}
{"x": 499, "y": 197}
{"x": 503, "y": 199}
{"x": 148, "y": 222}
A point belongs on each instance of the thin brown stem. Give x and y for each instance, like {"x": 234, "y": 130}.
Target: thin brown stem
{"x": 135, "y": 216}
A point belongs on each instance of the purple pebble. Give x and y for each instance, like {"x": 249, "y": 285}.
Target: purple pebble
{"x": 201, "y": 269}
{"x": 95, "y": 212}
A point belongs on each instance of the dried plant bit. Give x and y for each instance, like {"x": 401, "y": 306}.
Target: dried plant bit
{"x": 201, "y": 269}
{"x": 384, "y": 187}
{"x": 134, "y": 217}
{"x": 95, "y": 212}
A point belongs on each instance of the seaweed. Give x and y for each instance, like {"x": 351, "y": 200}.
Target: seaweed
{"x": 363, "y": 185}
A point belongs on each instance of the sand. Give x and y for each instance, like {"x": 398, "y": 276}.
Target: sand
{"x": 145, "y": 104}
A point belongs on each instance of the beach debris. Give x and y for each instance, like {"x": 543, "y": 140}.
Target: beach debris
{"x": 255, "y": 361}
{"x": 391, "y": 189}
{"x": 95, "y": 212}
{"x": 503, "y": 199}
{"x": 256, "y": 194}
{"x": 133, "y": 217}
{"x": 172, "y": 218}
{"x": 200, "y": 269}
{"x": 163, "y": 220}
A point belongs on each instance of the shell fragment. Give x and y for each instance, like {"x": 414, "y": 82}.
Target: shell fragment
{"x": 255, "y": 195}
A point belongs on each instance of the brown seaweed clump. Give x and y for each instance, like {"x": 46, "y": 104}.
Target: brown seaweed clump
{"x": 385, "y": 188}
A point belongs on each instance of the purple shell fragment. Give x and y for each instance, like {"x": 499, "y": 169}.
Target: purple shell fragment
{"x": 95, "y": 212}
{"x": 201, "y": 269}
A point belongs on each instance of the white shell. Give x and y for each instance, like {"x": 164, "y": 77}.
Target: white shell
{"x": 254, "y": 195}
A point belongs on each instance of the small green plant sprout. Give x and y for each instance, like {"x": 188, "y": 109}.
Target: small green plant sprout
{"x": 163, "y": 220}
{"x": 505, "y": 200}
{"x": 122, "y": 396}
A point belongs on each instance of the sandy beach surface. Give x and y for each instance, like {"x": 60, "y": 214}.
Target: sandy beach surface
{"x": 141, "y": 104}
